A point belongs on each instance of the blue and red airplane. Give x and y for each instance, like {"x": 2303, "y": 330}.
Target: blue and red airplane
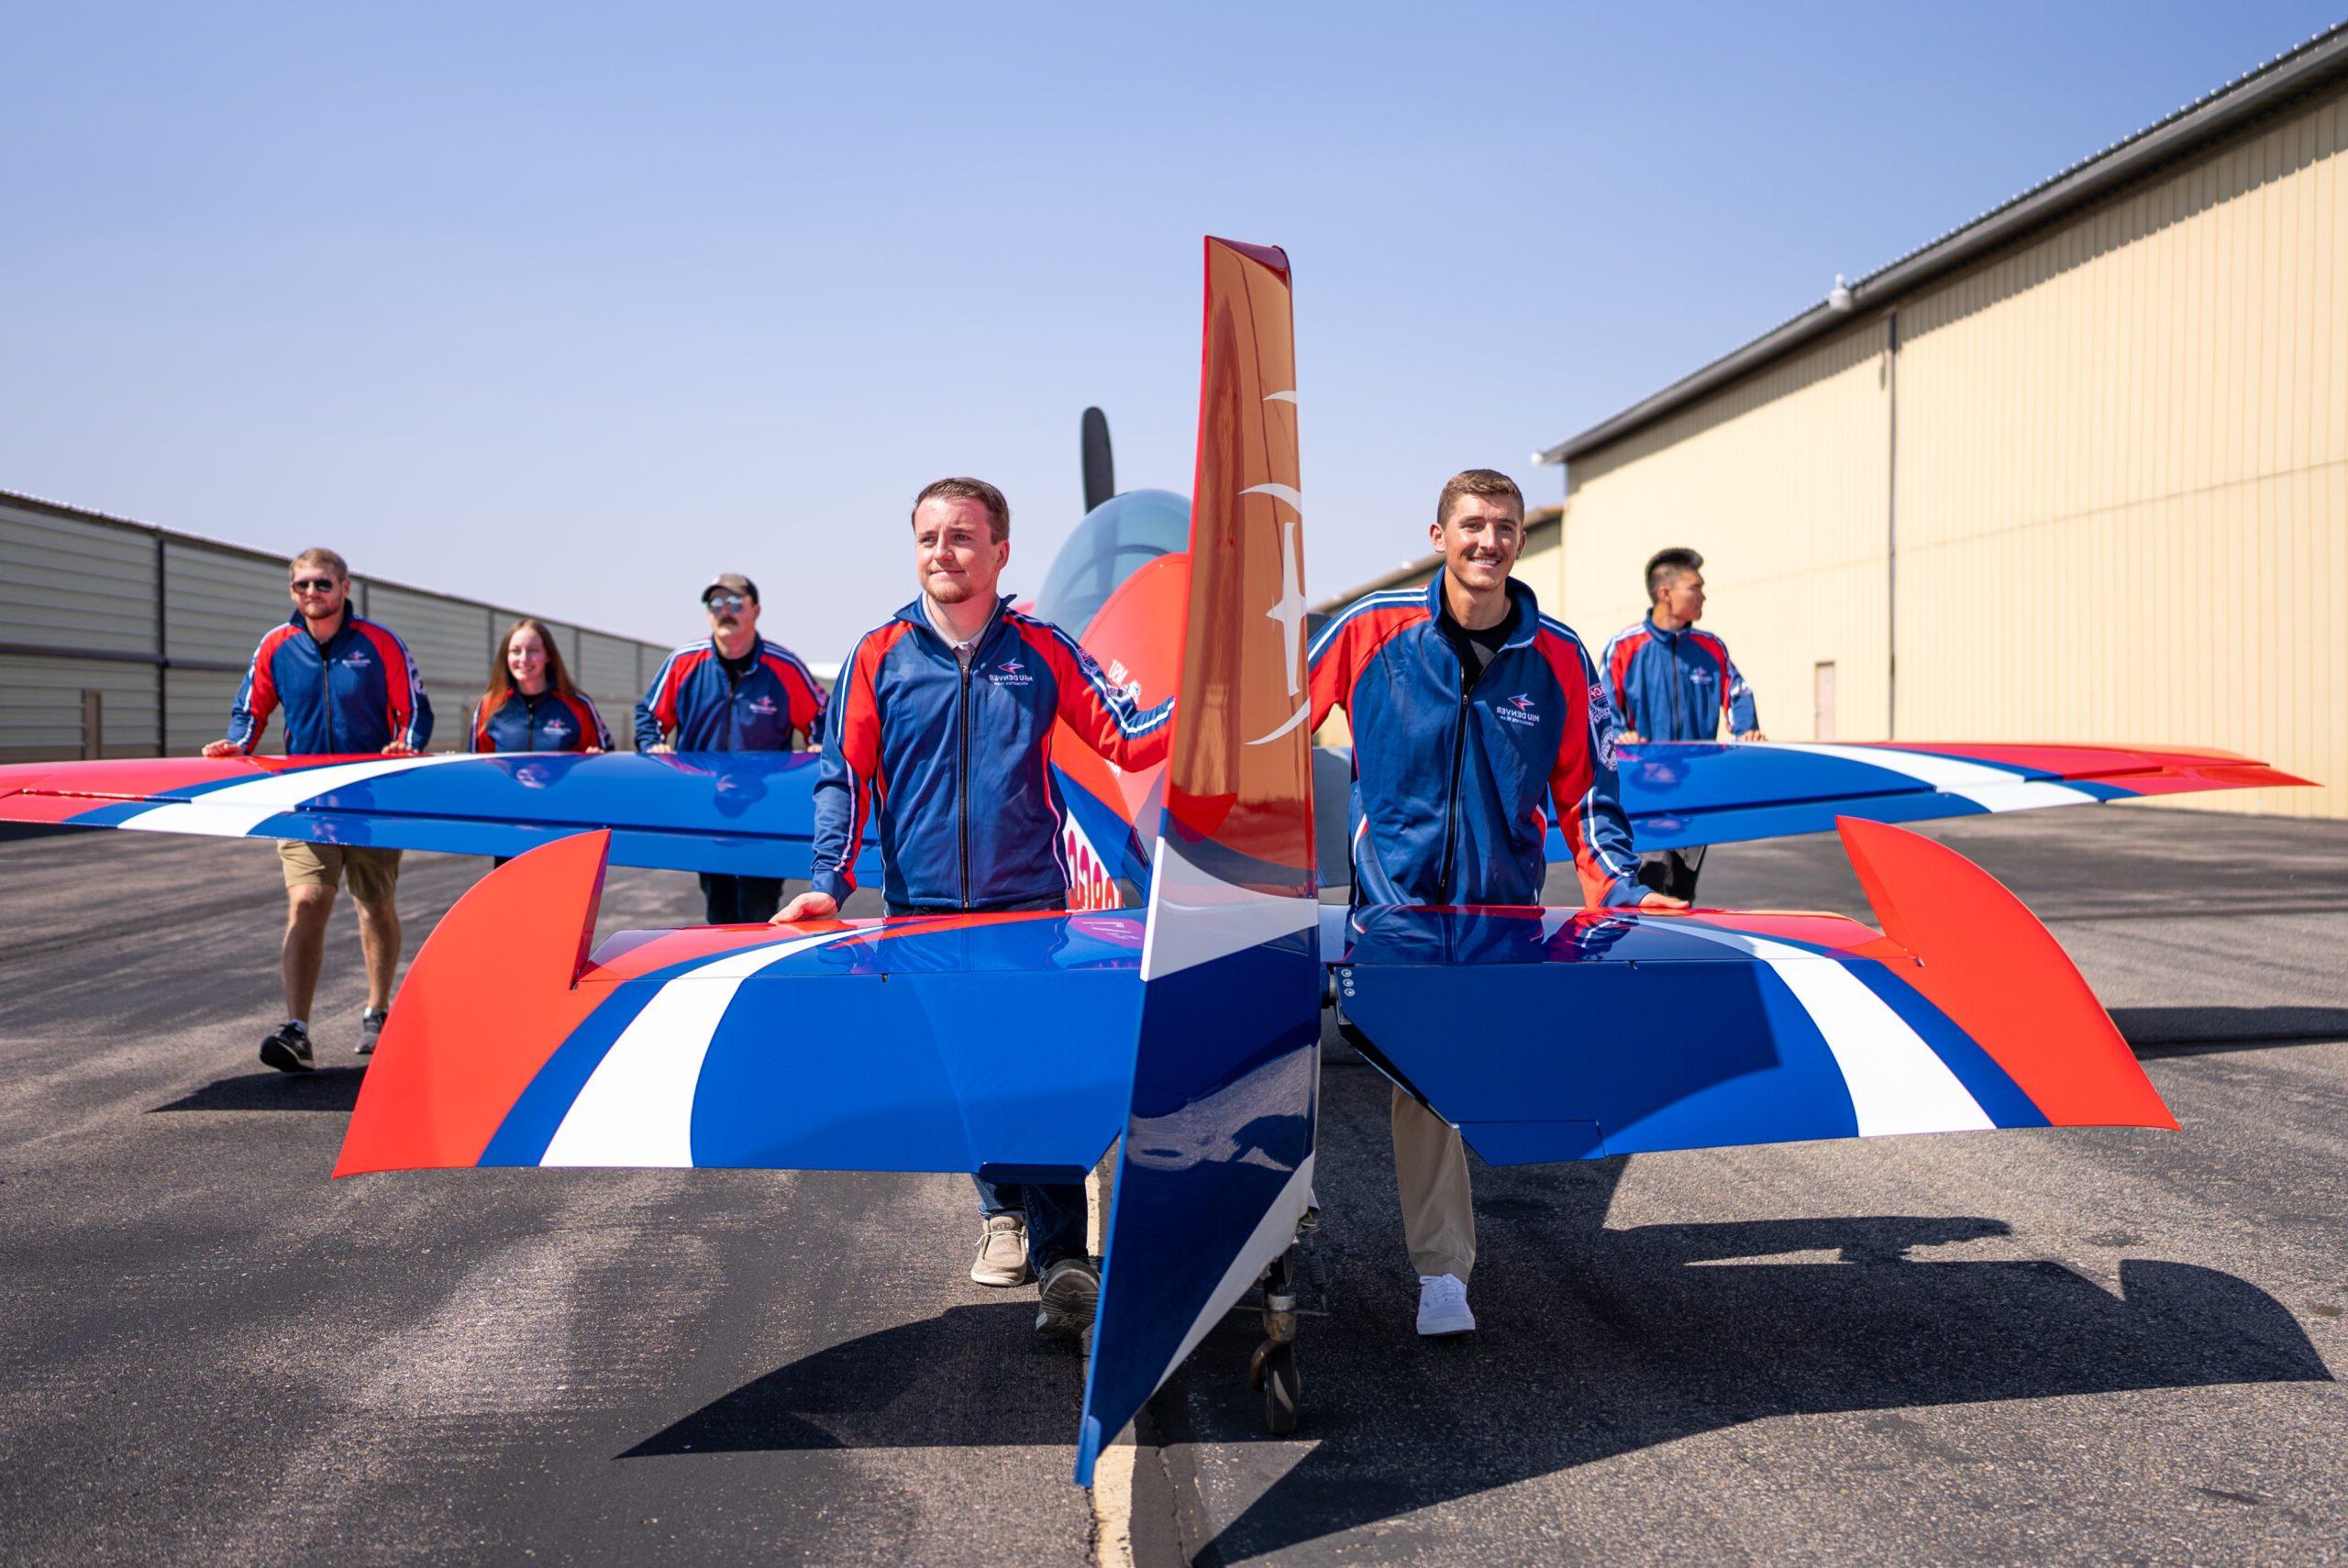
{"x": 1021, "y": 1046}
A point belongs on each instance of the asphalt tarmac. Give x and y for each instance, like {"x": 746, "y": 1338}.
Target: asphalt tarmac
{"x": 2055, "y": 1347}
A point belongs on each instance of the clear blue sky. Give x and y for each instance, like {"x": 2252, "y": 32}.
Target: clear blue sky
{"x": 568, "y": 307}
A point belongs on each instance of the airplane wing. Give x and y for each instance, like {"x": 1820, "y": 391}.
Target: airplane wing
{"x": 748, "y": 812}
{"x": 1680, "y": 793}
{"x": 1612, "y": 1033}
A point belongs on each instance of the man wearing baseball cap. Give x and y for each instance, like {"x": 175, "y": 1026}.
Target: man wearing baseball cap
{"x": 733, "y": 691}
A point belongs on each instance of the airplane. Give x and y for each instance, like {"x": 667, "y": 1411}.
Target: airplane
{"x": 1188, "y": 1031}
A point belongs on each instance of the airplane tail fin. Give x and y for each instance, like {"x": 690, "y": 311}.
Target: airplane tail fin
{"x": 1216, "y": 1165}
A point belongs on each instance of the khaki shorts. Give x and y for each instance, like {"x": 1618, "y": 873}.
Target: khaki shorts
{"x": 374, "y": 873}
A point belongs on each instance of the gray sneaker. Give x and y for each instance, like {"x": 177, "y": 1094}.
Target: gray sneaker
{"x": 1069, "y": 1296}
{"x": 371, "y": 1029}
{"x": 1002, "y": 1253}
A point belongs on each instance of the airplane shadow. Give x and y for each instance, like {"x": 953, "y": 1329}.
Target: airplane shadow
{"x": 971, "y": 1376}
{"x": 1660, "y": 1332}
{"x": 328, "y": 1089}
{"x": 2179, "y": 1031}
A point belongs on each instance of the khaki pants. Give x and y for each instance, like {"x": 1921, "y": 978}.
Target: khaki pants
{"x": 1438, "y": 1209}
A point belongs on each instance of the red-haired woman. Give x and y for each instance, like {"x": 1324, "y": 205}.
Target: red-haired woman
{"x": 531, "y": 704}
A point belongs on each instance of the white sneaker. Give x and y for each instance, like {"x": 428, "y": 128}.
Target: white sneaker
{"x": 1443, "y": 1305}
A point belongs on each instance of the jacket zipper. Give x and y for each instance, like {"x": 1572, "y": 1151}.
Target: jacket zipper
{"x": 326, "y": 680}
{"x": 962, "y": 776}
{"x": 1458, "y": 756}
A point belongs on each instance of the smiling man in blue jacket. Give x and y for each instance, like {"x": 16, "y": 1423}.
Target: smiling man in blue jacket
{"x": 941, "y": 737}
{"x": 1473, "y": 716}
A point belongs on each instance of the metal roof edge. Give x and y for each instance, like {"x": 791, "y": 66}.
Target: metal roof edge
{"x": 2302, "y": 70}
{"x": 91, "y": 514}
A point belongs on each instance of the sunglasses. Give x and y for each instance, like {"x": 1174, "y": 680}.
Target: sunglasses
{"x": 314, "y": 585}
{"x": 725, "y": 601}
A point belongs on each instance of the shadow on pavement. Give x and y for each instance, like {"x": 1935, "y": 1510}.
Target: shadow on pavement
{"x": 328, "y": 1089}
{"x": 1660, "y": 1334}
{"x": 2162, "y": 1031}
{"x": 971, "y": 1376}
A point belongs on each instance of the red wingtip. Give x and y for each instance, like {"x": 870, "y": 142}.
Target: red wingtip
{"x": 489, "y": 998}
{"x": 1985, "y": 960}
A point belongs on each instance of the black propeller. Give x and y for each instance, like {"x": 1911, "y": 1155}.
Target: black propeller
{"x": 1100, "y": 468}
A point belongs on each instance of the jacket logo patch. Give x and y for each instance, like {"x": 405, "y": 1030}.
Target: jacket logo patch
{"x": 1519, "y": 709}
{"x": 762, "y": 706}
{"x": 556, "y": 729}
{"x": 1010, "y": 673}
{"x": 356, "y": 660}
{"x": 1699, "y": 675}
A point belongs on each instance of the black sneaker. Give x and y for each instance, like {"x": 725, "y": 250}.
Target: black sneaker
{"x": 371, "y": 1029}
{"x": 1068, "y": 1297}
{"x": 288, "y": 1050}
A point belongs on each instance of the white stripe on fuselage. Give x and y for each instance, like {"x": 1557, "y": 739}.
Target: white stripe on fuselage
{"x": 1991, "y": 787}
{"x": 1196, "y": 917}
{"x": 236, "y": 810}
{"x": 1898, "y": 1083}
{"x": 637, "y": 1108}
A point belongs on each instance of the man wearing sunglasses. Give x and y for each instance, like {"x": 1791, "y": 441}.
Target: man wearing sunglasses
{"x": 347, "y": 686}
{"x": 734, "y": 692}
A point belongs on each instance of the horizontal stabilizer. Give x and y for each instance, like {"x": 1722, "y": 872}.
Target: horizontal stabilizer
{"x": 1560, "y": 1035}
{"x": 903, "y": 1045}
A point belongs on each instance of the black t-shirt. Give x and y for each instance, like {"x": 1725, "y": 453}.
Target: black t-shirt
{"x": 736, "y": 668}
{"x": 1476, "y": 646}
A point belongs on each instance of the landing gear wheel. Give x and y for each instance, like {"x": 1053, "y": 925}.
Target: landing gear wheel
{"x": 1275, "y": 1373}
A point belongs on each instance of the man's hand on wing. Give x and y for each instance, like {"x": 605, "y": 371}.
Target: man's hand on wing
{"x": 813, "y": 904}
{"x": 223, "y": 749}
{"x": 1661, "y": 901}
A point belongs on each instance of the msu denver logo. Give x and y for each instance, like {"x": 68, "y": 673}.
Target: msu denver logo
{"x": 1010, "y": 673}
{"x": 1518, "y": 710}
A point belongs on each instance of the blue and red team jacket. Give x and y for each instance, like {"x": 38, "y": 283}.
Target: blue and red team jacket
{"x": 552, "y": 721}
{"x": 1452, "y": 789}
{"x": 958, "y": 763}
{"x": 357, "y": 691}
{"x": 1674, "y": 686}
{"x": 693, "y": 696}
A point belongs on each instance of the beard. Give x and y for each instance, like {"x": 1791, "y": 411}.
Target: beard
{"x": 947, "y": 591}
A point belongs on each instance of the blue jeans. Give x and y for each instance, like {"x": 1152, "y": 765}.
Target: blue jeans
{"x": 1055, "y": 1211}
{"x": 740, "y": 901}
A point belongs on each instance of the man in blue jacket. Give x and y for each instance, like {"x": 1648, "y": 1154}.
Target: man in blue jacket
{"x": 733, "y": 691}
{"x": 347, "y": 685}
{"x": 1672, "y": 682}
{"x": 1473, "y": 716}
{"x": 954, "y": 702}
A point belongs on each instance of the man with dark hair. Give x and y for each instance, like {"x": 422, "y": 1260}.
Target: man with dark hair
{"x": 1672, "y": 682}
{"x": 954, "y": 702}
{"x": 1474, "y": 716}
{"x": 733, "y": 691}
{"x": 347, "y": 685}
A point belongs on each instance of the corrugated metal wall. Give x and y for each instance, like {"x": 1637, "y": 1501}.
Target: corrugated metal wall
{"x": 2123, "y": 474}
{"x": 2122, "y": 498}
{"x": 136, "y": 638}
{"x": 1783, "y": 481}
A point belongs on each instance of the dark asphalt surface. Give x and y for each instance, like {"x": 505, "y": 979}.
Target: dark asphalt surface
{"x": 2083, "y": 1347}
